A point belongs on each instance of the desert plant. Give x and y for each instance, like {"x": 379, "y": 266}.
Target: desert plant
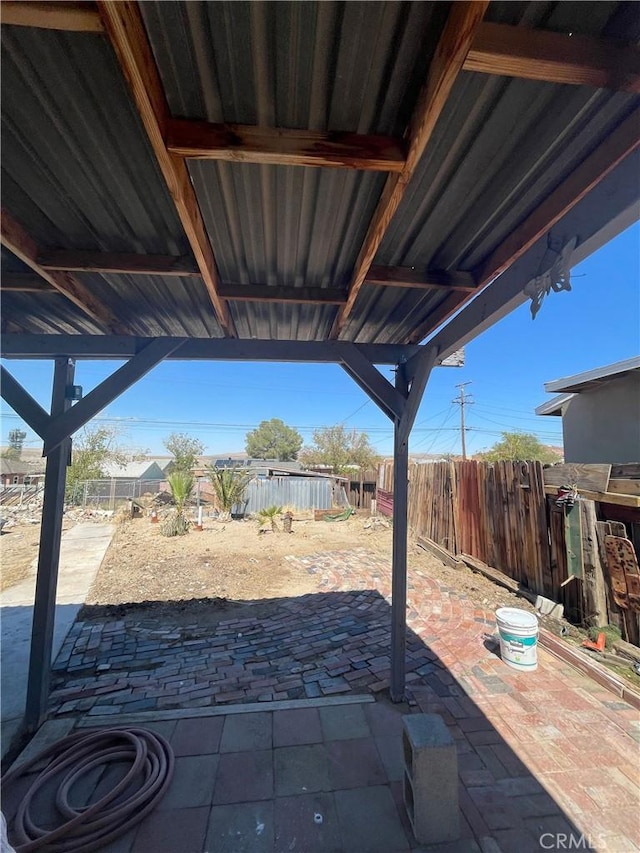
{"x": 181, "y": 484}
{"x": 229, "y": 485}
{"x": 270, "y": 513}
{"x": 175, "y": 524}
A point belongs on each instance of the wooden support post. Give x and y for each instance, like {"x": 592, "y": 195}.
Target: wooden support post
{"x": 594, "y": 589}
{"x": 399, "y": 559}
{"x": 48, "y": 557}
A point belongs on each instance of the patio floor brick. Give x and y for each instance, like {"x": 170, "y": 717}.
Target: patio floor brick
{"x": 241, "y": 828}
{"x": 299, "y": 828}
{"x": 301, "y": 769}
{"x": 549, "y": 748}
{"x": 247, "y": 732}
{"x": 296, "y": 727}
{"x": 244, "y": 777}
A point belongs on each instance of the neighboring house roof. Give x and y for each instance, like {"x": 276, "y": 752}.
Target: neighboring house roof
{"x": 553, "y": 406}
{"x": 592, "y": 378}
{"x": 13, "y": 466}
{"x": 587, "y": 381}
{"x": 163, "y": 462}
{"x": 144, "y": 470}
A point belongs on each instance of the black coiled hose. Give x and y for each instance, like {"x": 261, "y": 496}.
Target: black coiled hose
{"x": 87, "y": 828}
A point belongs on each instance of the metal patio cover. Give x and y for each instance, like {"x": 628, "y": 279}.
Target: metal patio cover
{"x": 297, "y": 171}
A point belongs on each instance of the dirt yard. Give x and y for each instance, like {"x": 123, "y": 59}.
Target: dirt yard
{"x": 231, "y": 567}
{"x": 233, "y": 562}
{"x": 229, "y": 562}
{"x": 18, "y": 550}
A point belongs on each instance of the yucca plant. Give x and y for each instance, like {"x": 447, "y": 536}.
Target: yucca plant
{"x": 229, "y": 485}
{"x": 181, "y": 484}
{"x": 270, "y": 513}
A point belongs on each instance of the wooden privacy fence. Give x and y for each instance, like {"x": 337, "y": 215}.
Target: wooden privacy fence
{"x": 502, "y": 514}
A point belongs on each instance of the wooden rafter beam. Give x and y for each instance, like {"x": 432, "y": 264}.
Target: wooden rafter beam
{"x": 453, "y": 46}
{"x": 125, "y": 29}
{"x": 34, "y": 346}
{"x": 268, "y": 293}
{"x": 447, "y": 308}
{"x": 421, "y": 279}
{"x": 72, "y": 17}
{"x": 554, "y": 57}
{"x": 117, "y": 263}
{"x": 15, "y": 238}
{"x": 284, "y": 147}
{"x": 110, "y": 263}
{"x": 25, "y": 282}
{"x": 622, "y": 142}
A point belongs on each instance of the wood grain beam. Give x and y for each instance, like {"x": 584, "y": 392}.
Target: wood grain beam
{"x": 25, "y": 282}
{"x": 101, "y": 347}
{"x": 554, "y": 57}
{"x": 66, "y": 423}
{"x": 125, "y": 29}
{"x": 268, "y": 293}
{"x": 622, "y": 142}
{"x": 373, "y": 383}
{"x": 23, "y": 403}
{"x": 117, "y": 263}
{"x": 15, "y": 238}
{"x": 453, "y": 46}
{"x": 421, "y": 279}
{"x": 447, "y": 308}
{"x": 284, "y": 146}
{"x": 72, "y": 17}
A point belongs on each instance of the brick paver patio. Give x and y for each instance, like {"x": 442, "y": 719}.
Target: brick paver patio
{"x": 535, "y": 749}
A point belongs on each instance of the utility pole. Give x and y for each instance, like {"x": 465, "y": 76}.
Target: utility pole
{"x": 462, "y": 401}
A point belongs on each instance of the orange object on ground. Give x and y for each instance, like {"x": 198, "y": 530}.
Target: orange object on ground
{"x": 599, "y": 645}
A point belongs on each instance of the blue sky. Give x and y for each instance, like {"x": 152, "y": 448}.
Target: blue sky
{"x": 597, "y": 323}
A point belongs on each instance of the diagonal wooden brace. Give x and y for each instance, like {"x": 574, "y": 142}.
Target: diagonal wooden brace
{"x": 68, "y": 422}
{"x": 23, "y": 403}
{"x": 372, "y": 382}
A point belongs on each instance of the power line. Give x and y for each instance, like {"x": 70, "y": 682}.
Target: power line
{"x": 463, "y": 400}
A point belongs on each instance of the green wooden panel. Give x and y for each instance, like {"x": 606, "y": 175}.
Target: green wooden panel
{"x": 573, "y": 540}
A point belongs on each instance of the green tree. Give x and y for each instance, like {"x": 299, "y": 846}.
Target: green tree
{"x": 16, "y": 442}
{"x": 339, "y": 449}
{"x": 184, "y": 449}
{"x": 519, "y": 447}
{"x": 273, "y": 440}
{"x": 229, "y": 485}
{"x": 93, "y": 449}
{"x": 181, "y": 484}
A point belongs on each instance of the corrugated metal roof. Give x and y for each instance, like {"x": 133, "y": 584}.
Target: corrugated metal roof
{"x": 352, "y": 66}
{"x": 78, "y": 171}
{"x": 501, "y": 145}
{"x": 77, "y": 168}
{"x": 157, "y": 305}
{"x": 10, "y": 263}
{"x": 45, "y": 314}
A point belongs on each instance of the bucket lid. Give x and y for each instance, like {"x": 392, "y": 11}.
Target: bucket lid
{"x": 516, "y": 618}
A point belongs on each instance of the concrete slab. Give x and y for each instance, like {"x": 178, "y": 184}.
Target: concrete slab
{"x": 369, "y": 821}
{"x": 82, "y": 551}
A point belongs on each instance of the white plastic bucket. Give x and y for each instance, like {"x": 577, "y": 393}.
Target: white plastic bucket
{"x": 518, "y": 631}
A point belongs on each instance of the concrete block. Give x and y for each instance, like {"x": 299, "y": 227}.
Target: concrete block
{"x": 547, "y": 607}
{"x": 430, "y": 779}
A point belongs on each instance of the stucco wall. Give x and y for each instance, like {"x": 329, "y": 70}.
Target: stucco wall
{"x": 603, "y": 425}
